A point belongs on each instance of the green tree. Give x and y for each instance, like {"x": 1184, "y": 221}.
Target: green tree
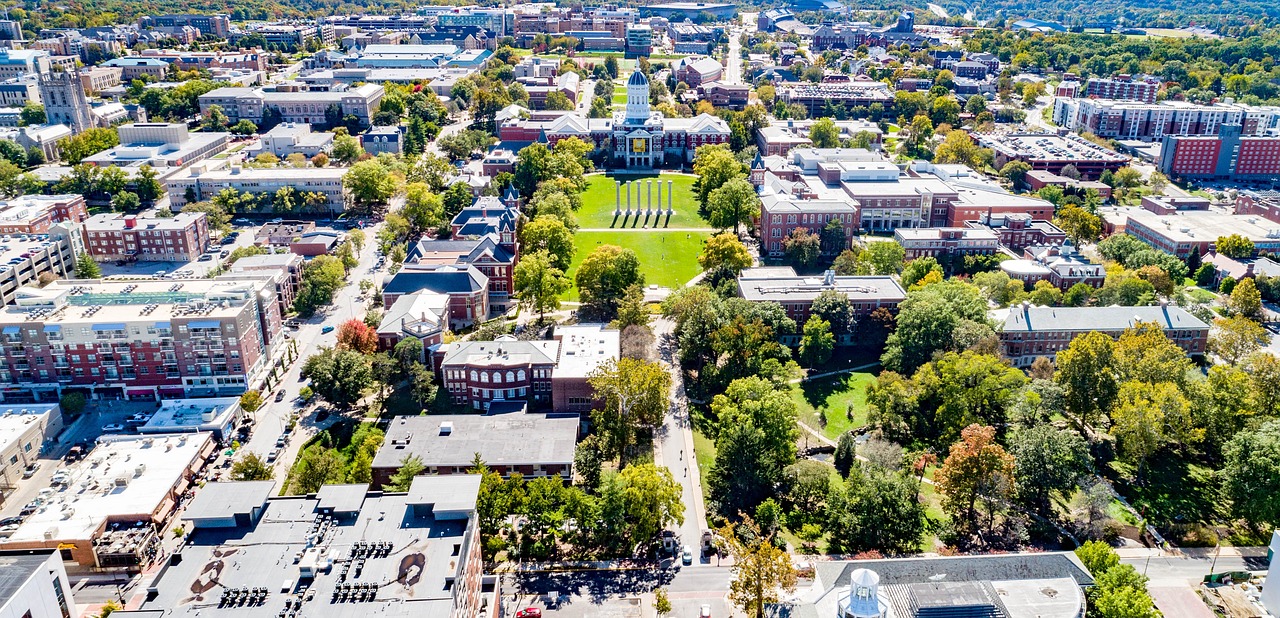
{"x": 878, "y": 510}
{"x": 410, "y": 467}
{"x": 756, "y": 440}
{"x": 1205, "y": 275}
{"x": 73, "y": 404}
{"x": 824, "y": 134}
{"x": 846, "y": 456}
{"x": 1236, "y": 338}
{"x": 927, "y": 319}
{"x": 316, "y": 466}
{"x": 250, "y": 401}
{"x": 31, "y": 114}
{"x": 538, "y": 283}
{"x": 369, "y": 183}
{"x": 87, "y": 268}
{"x": 1086, "y": 372}
{"x": 661, "y": 604}
{"x": 321, "y": 278}
{"x": 339, "y": 376}
{"x": 733, "y": 203}
{"x": 1235, "y": 246}
{"x": 958, "y": 147}
{"x": 724, "y": 253}
{"x": 1246, "y": 300}
{"x": 917, "y": 269}
{"x": 802, "y": 247}
{"x": 714, "y": 165}
{"x": 635, "y": 394}
{"x": 347, "y": 149}
{"x": 1080, "y": 225}
{"x": 604, "y": 276}
{"x": 1047, "y": 460}
{"x": 762, "y": 571}
{"x": 125, "y": 201}
{"x": 1143, "y": 416}
{"x": 1251, "y": 475}
{"x": 1097, "y": 556}
{"x": 817, "y": 343}
{"x": 455, "y": 199}
{"x": 548, "y": 234}
{"x": 881, "y": 258}
{"x": 252, "y": 467}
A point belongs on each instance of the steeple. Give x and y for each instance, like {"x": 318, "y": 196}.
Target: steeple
{"x": 637, "y": 97}
{"x": 511, "y": 197}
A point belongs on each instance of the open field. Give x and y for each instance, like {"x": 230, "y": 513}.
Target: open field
{"x": 601, "y": 197}
{"x": 666, "y": 258}
{"x": 836, "y": 395}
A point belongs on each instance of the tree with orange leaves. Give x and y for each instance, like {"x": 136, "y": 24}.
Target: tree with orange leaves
{"x": 356, "y": 335}
{"x": 976, "y": 484}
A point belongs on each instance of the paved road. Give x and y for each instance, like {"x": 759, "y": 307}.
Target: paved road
{"x": 733, "y": 73}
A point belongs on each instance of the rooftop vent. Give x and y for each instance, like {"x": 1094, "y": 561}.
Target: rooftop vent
{"x": 446, "y": 428}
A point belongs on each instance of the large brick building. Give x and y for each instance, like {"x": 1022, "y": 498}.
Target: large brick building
{"x": 1124, "y": 88}
{"x": 35, "y": 214}
{"x": 1227, "y": 155}
{"x": 113, "y": 236}
{"x": 1127, "y": 120}
{"x": 795, "y": 293}
{"x": 1028, "y": 332}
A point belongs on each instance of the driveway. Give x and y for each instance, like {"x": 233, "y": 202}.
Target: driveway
{"x": 1179, "y": 601}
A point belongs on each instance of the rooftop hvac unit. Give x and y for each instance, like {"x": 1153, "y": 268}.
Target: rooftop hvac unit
{"x": 122, "y": 481}
{"x": 51, "y": 533}
{"x": 139, "y": 470}
{"x": 446, "y": 428}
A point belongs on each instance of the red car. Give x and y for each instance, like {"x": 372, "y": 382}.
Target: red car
{"x": 529, "y": 612}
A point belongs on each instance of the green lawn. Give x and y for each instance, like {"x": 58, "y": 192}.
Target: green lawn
{"x": 835, "y": 394}
{"x": 667, "y": 259}
{"x": 705, "y": 450}
{"x": 601, "y": 198}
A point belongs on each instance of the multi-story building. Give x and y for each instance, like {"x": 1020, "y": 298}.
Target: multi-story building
{"x": 294, "y": 36}
{"x": 419, "y": 552}
{"x": 1141, "y": 88}
{"x": 1028, "y": 332}
{"x": 1265, "y": 204}
{"x": 19, "y": 62}
{"x": 697, "y": 71}
{"x": 97, "y": 79}
{"x": 1227, "y": 155}
{"x": 23, "y": 429}
{"x": 946, "y": 241}
{"x": 138, "y": 339}
{"x": 862, "y": 191}
{"x": 36, "y": 214}
{"x": 160, "y": 145}
{"x": 119, "y": 526}
{"x": 206, "y": 179}
{"x": 18, "y": 92}
{"x": 1018, "y": 231}
{"x": 378, "y": 140}
{"x": 639, "y": 39}
{"x": 218, "y": 25}
{"x": 1152, "y": 121}
{"x": 289, "y": 138}
{"x": 781, "y": 136}
{"x": 796, "y": 293}
{"x": 1197, "y": 231}
{"x": 547, "y": 374}
{"x": 246, "y": 59}
{"x": 36, "y": 584}
{"x": 448, "y": 444}
{"x": 135, "y": 67}
{"x": 301, "y": 107}
{"x": 817, "y": 99}
{"x": 1061, "y": 265}
{"x": 283, "y": 269}
{"x": 488, "y": 254}
{"x": 466, "y": 289}
{"x": 1050, "y": 152}
{"x": 114, "y": 236}
{"x": 725, "y": 95}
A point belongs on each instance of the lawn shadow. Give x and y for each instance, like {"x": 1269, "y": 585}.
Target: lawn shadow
{"x": 816, "y": 392}
{"x": 1174, "y": 490}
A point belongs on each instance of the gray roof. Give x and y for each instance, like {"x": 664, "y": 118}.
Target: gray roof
{"x": 1084, "y": 319}
{"x": 452, "y": 493}
{"x": 410, "y": 580}
{"x": 342, "y": 498}
{"x": 17, "y": 566}
{"x": 774, "y": 284}
{"x": 1000, "y": 567}
{"x": 505, "y": 439}
{"x": 218, "y": 500}
{"x": 443, "y": 280}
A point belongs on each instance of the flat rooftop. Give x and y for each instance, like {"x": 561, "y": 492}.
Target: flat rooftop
{"x": 500, "y": 439}
{"x": 410, "y": 566}
{"x": 24, "y": 208}
{"x": 778, "y": 285}
{"x": 122, "y": 476}
{"x": 18, "y": 567}
{"x": 16, "y": 420}
{"x": 108, "y": 305}
{"x": 13, "y": 249}
{"x": 116, "y": 222}
{"x": 585, "y": 347}
{"x": 1188, "y": 226}
{"x": 189, "y": 414}
{"x": 156, "y": 155}
{"x": 1085, "y": 319}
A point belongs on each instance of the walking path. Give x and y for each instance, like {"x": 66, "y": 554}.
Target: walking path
{"x": 832, "y": 373}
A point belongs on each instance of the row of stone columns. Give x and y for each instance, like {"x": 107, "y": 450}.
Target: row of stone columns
{"x": 645, "y": 188}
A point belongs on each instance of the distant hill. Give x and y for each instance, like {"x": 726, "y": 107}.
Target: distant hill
{"x": 1127, "y": 13}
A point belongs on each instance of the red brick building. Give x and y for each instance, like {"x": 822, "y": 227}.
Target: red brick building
{"x": 180, "y": 238}
{"x": 34, "y": 214}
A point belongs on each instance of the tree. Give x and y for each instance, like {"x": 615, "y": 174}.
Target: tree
{"x": 1087, "y": 375}
{"x": 604, "y": 276}
{"x": 634, "y": 393}
{"x": 1246, "y": 300}
{"x": 538, "y": 283}
{"x": 316, "y": 466}
{"x": 31, "y": 114}
{"x": 632, "y": 311}
{"x": 756, "y": 440}
{"x": 215, "y": 119}
{"x": 321, "y": 278}
{"x": 88, "y": 142}
{"x": 958, "y": 147}
{"x": 824, "y": 134}
{"x": 73, "y": 403}
{"x": 878, "y": 510}
{"x": 1237, "y": 337}
{"x": 410, "y": 467}
{"x": 724, "y": 253}
{"x": 252, "y": 467}
{"x": 802, "y": 247}
{"x": 1251, "y": 475}
{"x": 733, "y": 203}
{"x": 836, "y": 309}
{"x": 86, "y": 268}
{"x": 250, "y": 401}
{"x": 975, "y": 482}
{"x": 1205, "y": 275}
{"x": 1047, "y": 459}
{"x": 369, "y": 183}
{"x": 881, "y": 258}
{"x": 244, "y": 127}
{"x": 1124, "y": 602}
{"x": 817, "y": 343}
{"x": 125, "y": 201}
{"x": 1097, "y": 556}
{"x": 1144, "y": 417}
{"x": 1080, "y": 225}
{"x": 927, "y": 319}
{"x": 846, "y": 456}
{"x": 548, "y": 234}
{"x": 356, "y": 335}
{"x": 339, "y": 376}
{"x": 347, "y": 149}
{"x": 422, "y": 384}
{"x": 456, "y": 198}
{"x": 145, "y": 184}
{"x": 761, "y": 570}
{"x": 661, "y": 604}
{"x": 846, "y": 263}
{"x": 714, "y": 165}
{"x": 917, "y": 269}
{"x": 920, "y": 132}
{"x": 1235, "y": 246}
{"x": 1127, "y": 178}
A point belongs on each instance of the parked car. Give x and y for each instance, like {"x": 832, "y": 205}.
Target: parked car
{"x": 30, "y": 470}
{"x": 112, "y": 428}
{"x": 326, "y": 330}
{"x": 9, "y": 521}
{"x": 281, "y": 440}
{"x": 273, "y": 455}
{"x": 208, "y": 257}
{"x": 705, "y": 611}
{"x": 529, "y": 612}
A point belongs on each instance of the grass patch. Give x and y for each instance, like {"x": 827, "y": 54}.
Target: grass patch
{"x": 1201, "y": 295}
{"x": 601, "y": 198}
{"x": 1172, "y": 489}
{"x": 667, "y": 259}
{"x": 705, "y": 450}
{"x": 836, "y": 395}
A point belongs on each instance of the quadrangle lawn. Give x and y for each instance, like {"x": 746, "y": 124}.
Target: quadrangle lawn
{"x": 667, "y": 259}
{"x": 601, "y": 197}
{"x": 835, "y": 394}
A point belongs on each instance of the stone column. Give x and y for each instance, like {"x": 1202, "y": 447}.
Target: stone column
{"x": 617, "y": 192}
{"x": 648, "y": 201}
{"x": 659, "y": 195}
{"x": 628, "y": 199}
{"x": 669, "y": 192}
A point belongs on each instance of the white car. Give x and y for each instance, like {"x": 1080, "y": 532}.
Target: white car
{"x": 686, "y": 555}
{"x": 112, "y": 428}
{"x": 705, "y": 611}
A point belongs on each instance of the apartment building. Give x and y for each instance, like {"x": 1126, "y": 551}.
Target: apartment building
{"x": 114, "y": 236}
{"x": 1028, "y": 332}
{"x": 1228, "y": 155}
{"x": 301, "y": 107}
{"x": 139, "y": 339}
{"x": 1142, "y": 88}
{"x": 1149, "y": 122}
{"x": 36, "y": 214}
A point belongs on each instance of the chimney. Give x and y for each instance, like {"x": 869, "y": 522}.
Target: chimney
{"x": 130, "y": 222}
